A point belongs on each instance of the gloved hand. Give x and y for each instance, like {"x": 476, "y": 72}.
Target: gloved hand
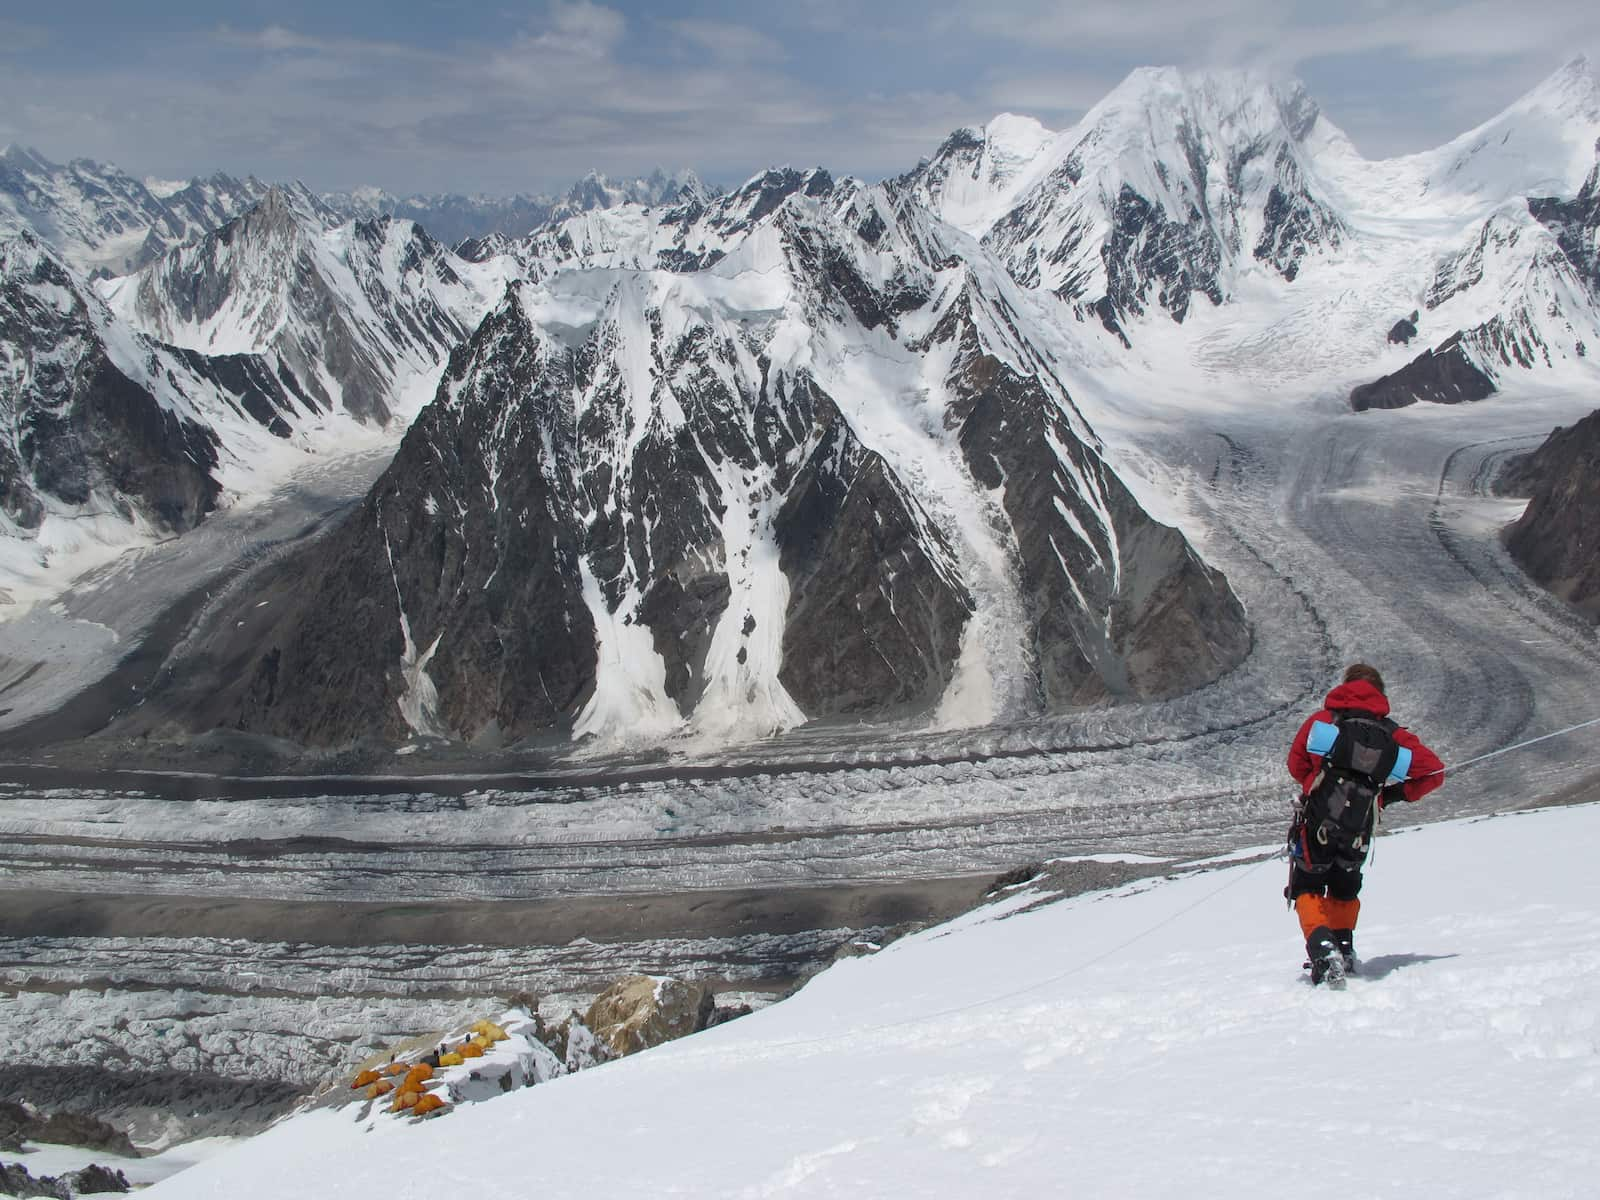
{"x": 1392, "y": 794}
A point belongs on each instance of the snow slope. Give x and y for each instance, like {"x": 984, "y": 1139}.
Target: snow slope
{"x": 1158, "y": 1040}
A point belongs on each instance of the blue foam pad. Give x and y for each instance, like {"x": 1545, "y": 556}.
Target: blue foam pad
{"x": 1322, "y": 736}
{"x": 1402, "y": 765}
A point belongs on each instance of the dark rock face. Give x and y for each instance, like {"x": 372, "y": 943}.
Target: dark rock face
{"x": 462, "y": 562}
{"x": 19, "y": 1124}
{"x": 1403, "y": 330}
{"x": 80, "y": 426}
{"x": 1557, "y": 538}
{"x": 1293, "y": 224}
{"x": 203, "y": 1104}
{"x": 1440, "y": 376}
{"x": 876, "y": 609}
{"x": 1146, "y": 251}
{"x": 1120, "y": 606}
{"x": 1576, "y": 224}
{"x": 247, "y": 382}
{"x": 840, "y": 282}
{"x": 466, "y": 562}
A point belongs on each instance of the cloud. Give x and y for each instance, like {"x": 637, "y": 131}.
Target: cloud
{"x": 1282, "y": 33}
{"x": 582, "y": 29}
{"x": 275, "y": 39}
{"x": 729, "y": 43}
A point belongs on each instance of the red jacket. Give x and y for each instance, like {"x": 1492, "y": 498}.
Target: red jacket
{"x": 1426, "y": 772}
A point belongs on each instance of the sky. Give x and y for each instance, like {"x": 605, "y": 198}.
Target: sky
{"x": 451, "y": 95}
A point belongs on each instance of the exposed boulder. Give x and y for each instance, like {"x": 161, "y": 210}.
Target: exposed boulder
{"x": 1403, "y": 330}
{"x": 721, "y": 1015}
{"x": 640, "y": 1011}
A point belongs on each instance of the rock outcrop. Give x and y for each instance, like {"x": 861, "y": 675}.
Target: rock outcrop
{"x": 1557, "y": 538}
{"x": 640, "y": 1011}
{"x": 61, "y": 1128}
{"x": 1443, "y": 375}
{"x": 16, "y": 1180}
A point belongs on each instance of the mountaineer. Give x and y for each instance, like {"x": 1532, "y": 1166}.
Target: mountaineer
{"x": 1351, "y": 761}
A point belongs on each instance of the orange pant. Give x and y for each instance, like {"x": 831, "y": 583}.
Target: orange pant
{"x": 1314, "y": 911}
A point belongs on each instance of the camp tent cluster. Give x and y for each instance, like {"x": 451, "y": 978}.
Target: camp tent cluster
{"x": 418, "y": 1087}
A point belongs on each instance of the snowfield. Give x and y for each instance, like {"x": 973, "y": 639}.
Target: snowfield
{"x": 1155, "y": 1040}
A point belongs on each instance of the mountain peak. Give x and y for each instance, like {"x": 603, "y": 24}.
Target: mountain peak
{"x": 1224, "y": 95}
{"x": 17, "y": 155}
{"x": 1015, "y": 137}
{"x": 1571, "y": 91}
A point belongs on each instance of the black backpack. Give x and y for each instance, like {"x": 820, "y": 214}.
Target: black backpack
{"x": 1338, "y": 813}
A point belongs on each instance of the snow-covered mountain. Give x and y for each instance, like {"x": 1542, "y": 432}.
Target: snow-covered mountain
{"x": 1168, "y": 189}
{"x": 1233, "y": 198}
{"x": 1151, "y": 1041}
{"x": 1518, "y": 288}
{"x": 690, "y": 235}
{"x": 717, "y": 390}
{"x": 111, "y": 437}
{"x": 348, "y": 316}
{"x": 456, "y": 218}
{"x": 834, "y": 472}
{"x": 102, "y": 221}
{"x": 83, "y": 409}
{"x": 450, "y": 218}
{"x": 135, "y": 419}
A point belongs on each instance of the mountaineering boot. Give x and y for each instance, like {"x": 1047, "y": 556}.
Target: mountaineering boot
{"x": 1327, "y": 964}
{"x": 1345, "y": 939}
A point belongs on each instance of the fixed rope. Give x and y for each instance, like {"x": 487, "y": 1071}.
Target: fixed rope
{"x": 1544, "y": 737}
